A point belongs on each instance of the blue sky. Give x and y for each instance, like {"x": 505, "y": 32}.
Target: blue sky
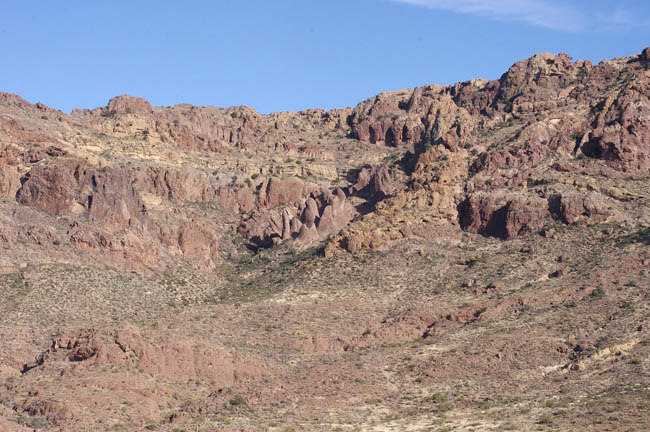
{"x": 278, "y": 55}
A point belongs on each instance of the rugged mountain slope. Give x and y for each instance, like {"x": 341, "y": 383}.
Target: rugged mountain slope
{"x": 471, "y": 257}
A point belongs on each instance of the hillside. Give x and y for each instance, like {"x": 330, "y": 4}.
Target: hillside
{"x": 466, "y": 257}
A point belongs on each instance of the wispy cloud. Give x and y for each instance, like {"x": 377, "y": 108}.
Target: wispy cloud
{"x": 621, "y": 18}
{"x": 540, "y": 13}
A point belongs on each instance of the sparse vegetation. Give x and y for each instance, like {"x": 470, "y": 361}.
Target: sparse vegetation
{"x": 149, "y": 282}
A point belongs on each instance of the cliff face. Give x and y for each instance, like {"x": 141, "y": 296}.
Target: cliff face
{"x": 488, "y": 157}
{"x": 476, "y": 203}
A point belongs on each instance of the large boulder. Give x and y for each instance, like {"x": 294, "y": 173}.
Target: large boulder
{"x": 373, "y": 184}
{"x": 9, "y": 181}
{"x": 274, "y": 192}
{"x": 129, "y": 104}
{"x": 502, "y": 215}
{"x": 574, "y": 206}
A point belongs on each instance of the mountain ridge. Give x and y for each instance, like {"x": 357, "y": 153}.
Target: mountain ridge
{"x": 430, "y": 259}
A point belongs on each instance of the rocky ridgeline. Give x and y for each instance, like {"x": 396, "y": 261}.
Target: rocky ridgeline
{"x": 501, "y": 158}
{"x": 208, "y": 129}
{"x": 134, "y": 183}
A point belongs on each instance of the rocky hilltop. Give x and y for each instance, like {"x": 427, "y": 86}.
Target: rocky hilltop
{"x": 441, "y": 258}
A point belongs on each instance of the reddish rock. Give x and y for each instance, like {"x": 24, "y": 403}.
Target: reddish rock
{"x": 327, "y": 223}
{"x": 475, "y": 96}
{"x": 536, "y": 84}
{"x": 206, "y": 130}
{"x": 502, "y": 215}
{"x": 374, "y": 183}
{"x": 425, "y": 115}
{"x": 49, "y": 188}
{"x": 622, "y": 134}
{"x": 13, "y": 99}
{"x": 529, "y": 149}
{"x": 560, "y": 272}
{"x": 9, "y": 181}
{"x": 310, "y": 213}
{"x": 129, "y": 104}
{"x": 68, "y": 186}
{"x": 55, "y": 151}
{"x": 306, "y": 218}
{"x": 176, "y": 184}
{"x": 238, "y": 201}
{"x": 548, "y": 233}
{"x": 55, "y": 412}
{"x": 172, "y": 359}
{"x": 18, "y": 131}
{"x": 645, "y": 54}
{"x": 574, "y": 206}
{"x": 198, "y": 240}
{"x": 41, "y": 236}
{"x": 125, "y": 250}
{"x": 274, "y": 192}
{"x": 114, "y": 201}
{"x": 308, "y": 234}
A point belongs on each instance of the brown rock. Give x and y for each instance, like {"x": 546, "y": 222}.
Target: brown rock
{"x": 327, "y": 223}
{"x": 274, "y": 192}
{"x": 645, "y": 54}
{"x": 501, "y": 215}
{"x": 179, "y": 185}
{"x": 374, "y": 183}
{"x": 319, "y": 215}
{"x": 41, "y": 235}
{"x": 13, "y": 99}
{"x": 176, "y": 360}
{"x": 311, "y": 213}
{"x": 9, "y": 181}
{"x": 129, "y": 104}
{"x": 55, "y": 412}
{"x": 115, "y": 202}
{"x": 535, "y": 84}
{"x": 55, "y": 151}
{"x": 560, "y": 272}
{"x": 49, "y": 188}
{"x": 426, "y": 115}
{"x": 68, "y": 187}
{"x": 308, "y": 234}
{"x": 548, "y": 232}
{"x": 622, "y": 134}
{"x": 573, "y": 206}
{"x": 238, "y": 201}
{"x": 198, "y": 240}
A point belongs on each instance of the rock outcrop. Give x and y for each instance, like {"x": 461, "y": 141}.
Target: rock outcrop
{"x": 504, "y": 216}
{"x": 621, "y": 133}
{"x": 491, "y": 232}
{"x": 298, "y": 211}
{"x": 572, "y": 207}
{"x": 374, "y": 183}
{"x": 72, "y": 187}
{"x": 425, "y": 115}
{"x": 130, "y": 178}
{"x": 178, "y": 360}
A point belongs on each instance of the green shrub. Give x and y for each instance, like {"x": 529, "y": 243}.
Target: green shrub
{"x": 597, "y": 293}
{"x": 238, "y": 400}
{"x": 546, "y": 419}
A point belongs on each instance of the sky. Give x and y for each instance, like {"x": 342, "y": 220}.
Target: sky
{"x": 288, "y": 55}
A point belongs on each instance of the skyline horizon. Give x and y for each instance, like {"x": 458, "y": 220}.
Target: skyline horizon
{"x": 289, "y": 56}
{"x": 573, "y": 59}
